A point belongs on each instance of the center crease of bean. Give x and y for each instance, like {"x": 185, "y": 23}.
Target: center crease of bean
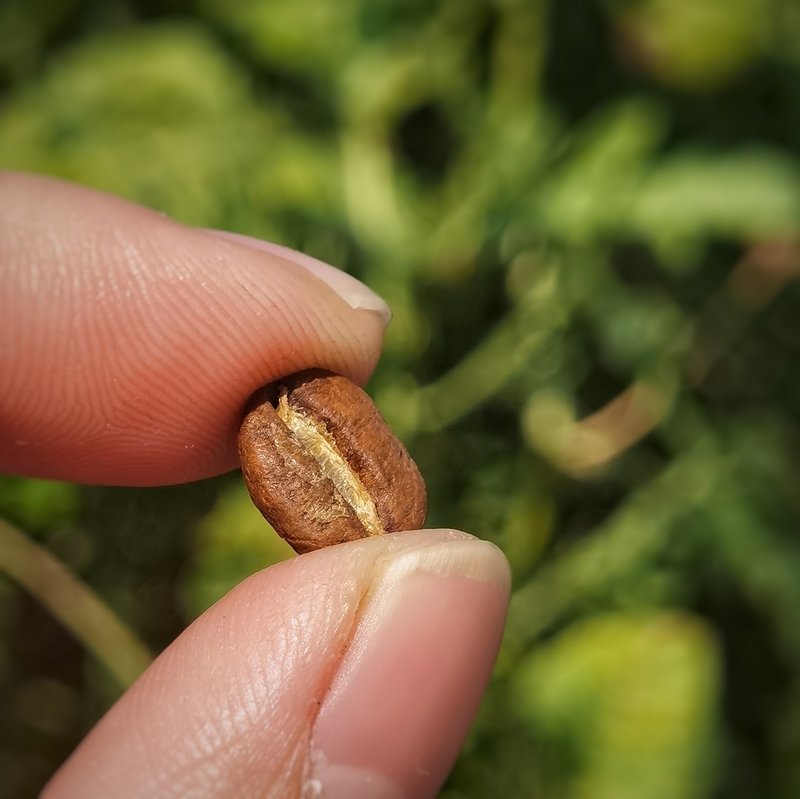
{"x": 315, "y": 439}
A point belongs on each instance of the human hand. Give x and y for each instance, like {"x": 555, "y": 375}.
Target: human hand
{"x": 128, "y": 348}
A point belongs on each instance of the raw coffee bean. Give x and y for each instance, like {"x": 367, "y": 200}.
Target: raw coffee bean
{"x": 322, "y": 465}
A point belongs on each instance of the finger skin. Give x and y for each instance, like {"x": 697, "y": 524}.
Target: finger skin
{"x": 350, "y": 673}
{"x": 129, "y": 343}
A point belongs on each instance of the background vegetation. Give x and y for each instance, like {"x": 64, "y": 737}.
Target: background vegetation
{"x": 584, "y": 215}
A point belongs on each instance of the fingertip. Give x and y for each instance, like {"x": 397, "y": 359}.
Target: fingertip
{"x": 352, "y": 291}
{"x": 415, "y": 668}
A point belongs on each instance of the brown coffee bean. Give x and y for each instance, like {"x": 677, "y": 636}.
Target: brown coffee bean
{"x": 323, "y": 467}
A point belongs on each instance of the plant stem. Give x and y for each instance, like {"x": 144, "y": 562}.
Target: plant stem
{"x": 74, "y": 604}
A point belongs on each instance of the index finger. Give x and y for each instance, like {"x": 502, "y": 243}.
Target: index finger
{"x": 130, "y": 343}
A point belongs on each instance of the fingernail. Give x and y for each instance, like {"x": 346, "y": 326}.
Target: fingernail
{"x": 414, "y": 671}
{"x": 352, "y": 291}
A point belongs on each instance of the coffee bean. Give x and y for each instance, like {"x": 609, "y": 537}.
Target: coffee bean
{"x": 323, "y": 467}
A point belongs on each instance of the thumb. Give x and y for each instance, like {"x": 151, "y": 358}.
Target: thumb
{"x": 349, "y": 673}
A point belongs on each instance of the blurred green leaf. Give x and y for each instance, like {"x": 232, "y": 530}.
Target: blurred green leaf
{"x": 635, "y": 700}
{"x": 314, "y": 34}
{"x": 745, "y": 196}
{"x": 694, "y": 44}
{"x": 38, "y": 504}
{"x": 159, "y": 115}
{"x": 612, "y": 184}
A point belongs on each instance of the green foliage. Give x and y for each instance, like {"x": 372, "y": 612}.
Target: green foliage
{"x": 583, "y": 215}
{"x": 615, "y": 184}
{"x": 630, "y": 700}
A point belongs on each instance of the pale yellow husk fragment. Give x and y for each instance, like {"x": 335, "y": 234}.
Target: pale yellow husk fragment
{"x": 315, "y": 439}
